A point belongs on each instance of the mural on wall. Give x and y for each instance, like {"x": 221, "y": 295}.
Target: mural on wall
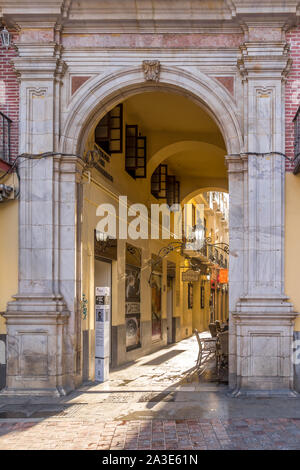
{"x": 133, "y": 298}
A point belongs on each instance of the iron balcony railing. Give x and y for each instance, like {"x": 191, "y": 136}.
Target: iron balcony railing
{"x": 5, "y": 128}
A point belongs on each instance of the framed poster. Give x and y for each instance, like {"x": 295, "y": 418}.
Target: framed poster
{"x": 156, "y": 286}
{"x": 202, "y": 297}
{"x": 132, "y": 284}
{"x": 190, "y": 295}
{"x": 132, "y": 331}
{"x": 132, "y": 307}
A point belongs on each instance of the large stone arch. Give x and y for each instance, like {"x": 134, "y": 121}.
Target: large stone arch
{"x": 47, "y": 305}
{"x": 95, "y": 98}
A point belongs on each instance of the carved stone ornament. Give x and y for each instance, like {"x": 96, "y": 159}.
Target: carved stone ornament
{"x": 151, "y": 70}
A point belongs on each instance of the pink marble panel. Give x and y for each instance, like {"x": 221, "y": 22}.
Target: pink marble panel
{"x": 167, "y": 40}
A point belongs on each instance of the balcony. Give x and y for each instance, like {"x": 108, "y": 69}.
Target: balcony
{"x": 5, "y": 129}
{"x": 206, "y": 253}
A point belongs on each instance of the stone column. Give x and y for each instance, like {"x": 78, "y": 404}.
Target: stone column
{"x": 42, "y": 322}
{"x": 262, "y": 328}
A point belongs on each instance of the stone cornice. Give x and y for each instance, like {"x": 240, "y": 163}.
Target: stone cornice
{"x": 264, "y": 60}
{"x": 42, "y": 60}
{"x": 150, "y": 16}
{"x": 236, "y": 163}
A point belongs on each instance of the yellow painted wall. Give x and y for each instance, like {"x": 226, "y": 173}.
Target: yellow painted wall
{"x": 8, "y": 253}
{"x": 292, "y": 242}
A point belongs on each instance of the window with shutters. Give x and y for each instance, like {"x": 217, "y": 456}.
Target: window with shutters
{"x": 159, "y": 182}
{"x": 173, "y": 190}
{"x": 109, "y": 131}
{"x": 135, "y": 152}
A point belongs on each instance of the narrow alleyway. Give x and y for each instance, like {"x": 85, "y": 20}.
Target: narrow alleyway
{"x": 158, "y": 402}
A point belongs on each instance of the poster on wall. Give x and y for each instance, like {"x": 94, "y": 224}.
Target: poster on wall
{"x": 102, "y": 333}
{"x": 132, "y": 331}
{"x": 156, "y": 286}
{"x": 190, "y": 295}
{"x": 132, "y": 307}
{"x": 202, "y": 297}
{"x": 101, "y": 369}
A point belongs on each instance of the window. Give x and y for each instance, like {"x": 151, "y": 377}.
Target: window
{"x": 135, "y": 154}
{"x": 173, "y": 190}
{"x": 5, "y": 128}
{"x": 109, "y": 131}
{"x": 159, "y": 182}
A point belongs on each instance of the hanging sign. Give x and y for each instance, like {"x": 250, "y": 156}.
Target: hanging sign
{"x": 190, "y": 276}
{"x": 223, "y": 276}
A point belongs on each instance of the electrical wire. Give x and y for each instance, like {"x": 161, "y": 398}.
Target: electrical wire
{"x": 39, "y": 156}
{"x": 263, "y": 154}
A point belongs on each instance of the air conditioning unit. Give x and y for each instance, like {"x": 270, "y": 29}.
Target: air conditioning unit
{"x": 6, "y": 192}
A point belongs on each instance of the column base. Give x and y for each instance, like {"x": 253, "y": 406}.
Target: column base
{"x": 286, "y": 393}
{"x": 17, "y": 392}
{"x": 38, "y": 347}
{"x": 263, "y": 347}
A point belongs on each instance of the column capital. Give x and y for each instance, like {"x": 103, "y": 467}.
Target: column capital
{"x": 40, "y": 61}
{"x": 236, "y": 163}
{"x": 264, "y": 60}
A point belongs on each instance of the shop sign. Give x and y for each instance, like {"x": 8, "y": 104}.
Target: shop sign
{"x": 190, "y": 276}
{"x": 223, "y": 276}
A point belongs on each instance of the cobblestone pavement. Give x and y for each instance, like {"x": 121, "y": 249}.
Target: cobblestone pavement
{"x": 195, "y": 434}
{"x": 159, "y": 402}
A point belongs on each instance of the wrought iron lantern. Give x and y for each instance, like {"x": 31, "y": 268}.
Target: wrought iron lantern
{"x": 5, "y": 37}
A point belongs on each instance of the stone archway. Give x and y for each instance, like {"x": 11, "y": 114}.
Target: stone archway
{"x": 42, "y": 323}
{"x": 101, "y": 94}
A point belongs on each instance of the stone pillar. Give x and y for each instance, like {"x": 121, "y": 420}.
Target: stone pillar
{"x": 42, "y": 322}
{"x": 262, "y": 328}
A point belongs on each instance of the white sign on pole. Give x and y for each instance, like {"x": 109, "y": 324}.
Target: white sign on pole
{"x": 102, "y": 333}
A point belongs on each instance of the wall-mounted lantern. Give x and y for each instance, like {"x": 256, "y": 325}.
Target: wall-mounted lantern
{"x": 5, "y": 37}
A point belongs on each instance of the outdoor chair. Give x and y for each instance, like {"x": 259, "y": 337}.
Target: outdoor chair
{"x": 207, "y": 348}
{"x": 213, "y": 330}
{"x": 218, "y": 326}
{"x": 222, "y": 351}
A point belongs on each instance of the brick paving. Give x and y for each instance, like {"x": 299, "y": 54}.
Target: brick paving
{"x": 155, "y": 404}
{"x": 215, "y": 434}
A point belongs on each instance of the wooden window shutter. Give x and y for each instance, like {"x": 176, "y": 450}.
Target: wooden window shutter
{"x": 159, "y": 182}
{"x": 109, "y": 131}
{"x": 135, "y": 152}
